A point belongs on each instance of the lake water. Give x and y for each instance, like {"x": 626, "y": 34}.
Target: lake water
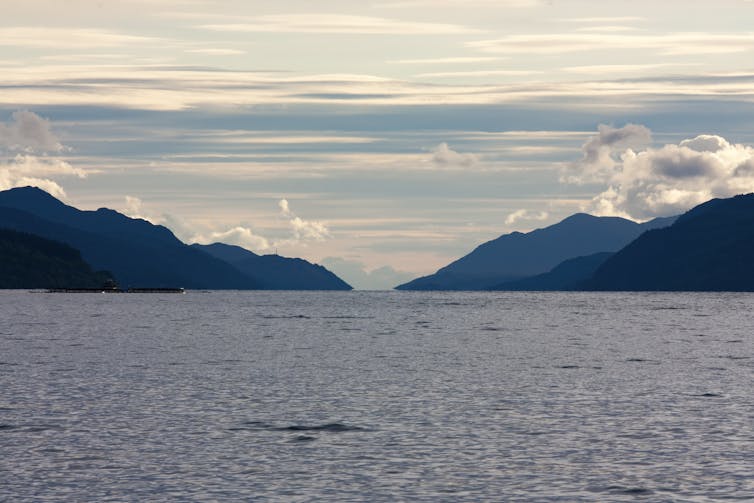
{"x": 379, "y": 396}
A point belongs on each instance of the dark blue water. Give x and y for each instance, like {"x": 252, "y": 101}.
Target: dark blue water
{"x": 288, "y": 396}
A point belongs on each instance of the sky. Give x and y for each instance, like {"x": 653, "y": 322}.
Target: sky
{"x": 380, "y": 138}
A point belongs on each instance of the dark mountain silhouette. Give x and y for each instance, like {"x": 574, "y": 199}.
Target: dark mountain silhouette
{"x": 276, "y": 272}
{"x": 709, "y": 248}
{"x": 141, "y": 254}
{"x": 28, "y": 261}
{"x": 518, "y": 255}
{"x": 568, "y": 275}
{"x": 104, "y": 221}
{"x": 137, "y": 252}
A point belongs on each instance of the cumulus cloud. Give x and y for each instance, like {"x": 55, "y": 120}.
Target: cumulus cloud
{"x": 29, "y": 133}
{"x": 667, "y": 180}
{"x": 187, "y": 231}
{"x": 28, "y": 139}
{"x": 23, "y": 170}
{"x": 303, "y": 229}
{"x": 598, "y": 161}
{"x": 527, "y": 215}
{"x": 240, "y": 236}
{"x": 133, "y": 206}
{"x": 445, "y": 157}
{"x": 356, "y": 274}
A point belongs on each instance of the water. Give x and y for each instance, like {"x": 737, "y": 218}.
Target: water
{"x": 395, "y": 396}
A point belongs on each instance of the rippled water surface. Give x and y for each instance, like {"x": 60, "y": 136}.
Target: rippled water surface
{"x": 288, "y": 396}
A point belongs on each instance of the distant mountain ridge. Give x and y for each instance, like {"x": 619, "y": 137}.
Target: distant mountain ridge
{"x": 709, "y": 248}
{"x": 518, "y": 255}
{"x": 276, "y": 272}
{"x": 137, "y": 252}
{"x": 570, "y": 274}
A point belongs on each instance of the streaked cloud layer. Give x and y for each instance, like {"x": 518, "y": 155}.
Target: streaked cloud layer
{"x": 402, "y": 132}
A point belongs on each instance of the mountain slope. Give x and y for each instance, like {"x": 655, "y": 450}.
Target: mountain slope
{"x": 135, "y": 251}
{"x": 709, "y": 248}
{"x": 568, "y": 275}
{"x": 28, "y": 261}
{"x": 517, "y": 255}
{"x": 276, "y": 272}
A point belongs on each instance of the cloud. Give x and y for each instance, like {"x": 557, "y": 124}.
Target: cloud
{"x": 217, "y": 52}
{"x": 401, "y": 4}
{"x": 28, "y": 138}
{"x": 241, "y": 236}
{"x": 28, "y": 132}
{"x": 444, "y": 61}
{"x": 445, "y": 157}
{"x": 134, "y": 208}
{"x": 23, "y": 170}
{"x": 303, "y": 230}
{"x": 671, "y": 179}
{"x": 357, "y": 275}
{"x": 598, "y": 161}
{"x": 668, "y": 44}
{"x": 601, "y": 70}
{"x": 522, "y": 214}
{"x": 71, "y": 38}
{"x": 615, "y": 19}
{"x": 480, "y": 73}
{"x": 165, "y": 87}
{"x": 337, "y": 24}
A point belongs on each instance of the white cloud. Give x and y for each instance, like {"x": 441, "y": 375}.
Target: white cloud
{"x": 667, "y": 180}
{"x": 598, "y": 162}
{"x": 7, "y": 181}
{"x": 303, "y": 230}
{"x": 443, "y": 61}
{"x": 400, "y": 4}
{"x": 73, "y": 38}
{"x": 29, "y": 165}
{"x": 337, "y": 24}
{"x": 23, "y": 170}
{"x": 669, "y": 44}
{"x": 615, "y": 19}
{"x": 134, "y": 208}
{"x": 612, "y": 28}
{"x": 601, "y": 70}
{"x": 445, "y": 157}
{"x": 526, "y": 215}
{"x": 163, "y": 87}
{"x": 241, "y": 236}
{"x": 480, "y": 73}
{"x": 216, "y": 52}
{"x": 23, "y": 137}
{"x": 28, "y": 132}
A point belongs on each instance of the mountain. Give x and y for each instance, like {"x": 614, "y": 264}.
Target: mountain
{"x": 517, "y": 255}
{"x": 138, "y": 253}
{"x": 709, "y": 248}
{"x": 28, "y": 261}
{"x": 568, "y": 275}
{"x": 276, "y": 272}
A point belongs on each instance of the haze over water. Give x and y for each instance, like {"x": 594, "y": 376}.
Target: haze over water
{"x": 382, "y": 396}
